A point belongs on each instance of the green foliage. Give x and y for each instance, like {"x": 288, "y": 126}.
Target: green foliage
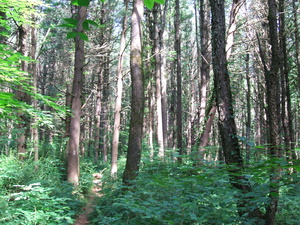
{"x": 150, "y": 3}
{"x": 183, "y": 194}
{"x": 30, "y": 196}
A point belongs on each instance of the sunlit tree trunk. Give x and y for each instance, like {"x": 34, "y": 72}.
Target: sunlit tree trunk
{"x": 33, "y": 70}
{"x": 118, "y": 103}
{"x": 137, "y": 98}
{"x": 73, "y": 151}
{"x": 158, "y": 92}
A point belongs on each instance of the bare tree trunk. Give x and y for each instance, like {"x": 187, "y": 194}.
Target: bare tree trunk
{"x": 137, "y": 99}
{"x": 158, "y": 91}
{"x": 118, "y": 104}
{"x": 164, "y": 99}
{"x": 73, "y": 151}
{"x": 23, "y": 126}
{"x": 248, "y": 118}
{"x": 227, "y": 126}
{"x": 33, "y": 70}
{"x": 272, "y": 113}
{"x": 98, "y": 116}
{"x": 296, "y": 34}
{"x": 178, "y": 79}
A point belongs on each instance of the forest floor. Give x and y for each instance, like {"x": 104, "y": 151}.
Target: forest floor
{"x": 83, "y": 218}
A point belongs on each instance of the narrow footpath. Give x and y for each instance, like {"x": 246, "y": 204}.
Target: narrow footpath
{"x": 83, "y": 218}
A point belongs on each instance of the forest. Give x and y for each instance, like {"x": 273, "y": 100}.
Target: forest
{"x": 149, "y": 112}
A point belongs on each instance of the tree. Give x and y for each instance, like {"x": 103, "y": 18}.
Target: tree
{"x": 137, "y": 97}
{"x": 73, "y": 148}
{"x": 177, "y": 46}
{"x": 118, "y": 104}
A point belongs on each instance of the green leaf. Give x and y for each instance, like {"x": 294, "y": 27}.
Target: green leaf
{"x": 92, "y": 22}
{"x": 71, "y": 35}
{"x": 85, "y": 25}
{"x": 68, "y": 25}
{"x": 83, "y": 36}
{"x": 80, "y": 2}
{"x": 71, "y": 21}
{"x": 160, "y": 1}
{"x": 149, "y": 3}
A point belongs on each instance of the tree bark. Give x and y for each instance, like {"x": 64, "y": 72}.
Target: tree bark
{"x": 21, "y": 95}
{"x": 271, "y": 77}
{"x": 137, "y": 98}
{"x": 158, "y": 91}
{"x": 73, "y": 151}
{"x": 178, "y": 79}
{"x": 227, "y": 126}
{"x": 118, "y": 103}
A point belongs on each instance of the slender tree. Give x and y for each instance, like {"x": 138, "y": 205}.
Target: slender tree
{"x": 137, "y": 92}
{"x": 178, "y": 79}
{"x": 118, "y": 104}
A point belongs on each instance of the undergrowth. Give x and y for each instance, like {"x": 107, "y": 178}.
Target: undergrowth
{"x": 168, "y": 193}
{"x": 39, "y": 196}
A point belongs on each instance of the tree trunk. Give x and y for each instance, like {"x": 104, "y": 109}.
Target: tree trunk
{"x": 23, "y": 125}
{"x": 271, "y": 77}
{"x": 227, "y": 126}
{"x": 33, "y": 70}
{"x": 73, "y": 151}
{"x": 118, "y": 104}
{"x": 178, "y": 78}
{"x": 137, "y": 99}
{"x": 158, "y": 91}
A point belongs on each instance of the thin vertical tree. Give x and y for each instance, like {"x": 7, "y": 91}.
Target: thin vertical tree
{"x": 73, "y": 147}
{"x": 177, "y": 46}
{"x": 137, "y": 95}
{"x": 118, "y": 103}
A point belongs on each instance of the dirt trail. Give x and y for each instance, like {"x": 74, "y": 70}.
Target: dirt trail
{"x": 83, "y": 218}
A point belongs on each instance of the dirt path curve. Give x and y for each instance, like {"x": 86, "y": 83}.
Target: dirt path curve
{"x": 83, "y": 218}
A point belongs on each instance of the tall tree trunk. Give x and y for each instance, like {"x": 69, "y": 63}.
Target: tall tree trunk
{"x": 178, "y": 79}
{"x": 227, "y": 126}
{"x": 23, "y": 125}
{"x": 158, "y": 91}
{"x": 33, "y": 70}
{"x": 164, "y": 99}
{"x": 118, "y": 104}
{"x": 98, "y": 115}
{"x": 296, "y": 34}
{"x": 204, "y": 76}
{"x": 137, "y": 99}
{"x": 248, "y": 118}
{"x": 73, "y": 151}
{"x": 272, "y": 113}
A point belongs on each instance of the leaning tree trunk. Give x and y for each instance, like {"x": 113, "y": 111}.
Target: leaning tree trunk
{"x": 73, "y": 151}
{"x": 137, "y": 98}
{"x": 227, "y": 126}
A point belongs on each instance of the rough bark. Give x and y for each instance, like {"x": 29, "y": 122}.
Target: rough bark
{"x": 118, "y": 103}
{"x": 23, "y": 123}
{"x": 178, "y": 79}
{"x": 271, "y": 77}
{"x": 227, "y": 126}
{"x": 73, "y": 151}
{"x": 137, "y": 98}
